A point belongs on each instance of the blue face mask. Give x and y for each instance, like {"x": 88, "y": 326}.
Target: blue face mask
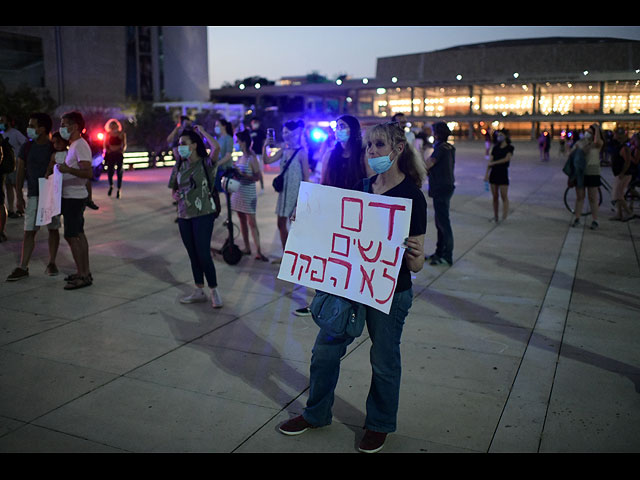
{"x": 342, "y": 135}
{"x": 217, "y": 130}
{"x": 184, "y": 151}
{"x": 31, "y": 133}
{"x": 64, "y": 133}
{"x": 380, "y": 164}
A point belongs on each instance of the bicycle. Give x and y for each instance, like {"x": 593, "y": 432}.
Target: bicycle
{"x": 630, "y": 195}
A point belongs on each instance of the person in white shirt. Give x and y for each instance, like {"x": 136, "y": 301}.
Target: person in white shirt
{"x": 76, "y": 170}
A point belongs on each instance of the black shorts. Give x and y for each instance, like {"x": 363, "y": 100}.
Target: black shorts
{"x": 72, "y": 210}
{"x": 592, "y": 181}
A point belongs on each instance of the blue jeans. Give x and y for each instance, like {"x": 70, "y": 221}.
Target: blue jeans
{"x": 444, "y": 243}
{"x": 196, "y": 236}
{"x": 382, "y": 402}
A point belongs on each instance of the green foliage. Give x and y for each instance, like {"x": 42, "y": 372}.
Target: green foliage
{"x": 24, "y": 101}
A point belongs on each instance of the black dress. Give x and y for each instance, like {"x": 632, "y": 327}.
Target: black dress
{"x": 499, "y": 174}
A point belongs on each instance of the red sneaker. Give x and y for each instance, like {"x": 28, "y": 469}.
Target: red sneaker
{"x": 295, "y": 426}
{"x": 372, "y": 442}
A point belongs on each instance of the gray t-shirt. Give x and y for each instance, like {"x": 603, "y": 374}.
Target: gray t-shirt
{"x": 36, "y": 157}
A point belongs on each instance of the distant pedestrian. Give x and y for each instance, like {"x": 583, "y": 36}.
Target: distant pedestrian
{"x": 193, "y": 189}
{"x": 244, "y": 201}
{"x": 293, "y": 157}
{"x": 16, "y": 139}
{"x": 224, "y": 136}
{"x": 33, "y": 162}
{"x": 258, "y": 137}
{"x": 622, "y": 164}
{"x": 591, "y": 144}
{"x": 498, "y": 173}
{"x": 440, "y": 167}
{"x": 114, "y": 145}
{"x": 544, "y": 144}
{"x": 76, "y": 170}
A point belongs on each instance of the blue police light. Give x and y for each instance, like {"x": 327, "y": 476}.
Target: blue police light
{"x": 318, "y": 135}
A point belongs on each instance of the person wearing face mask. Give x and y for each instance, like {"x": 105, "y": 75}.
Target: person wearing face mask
{"x": 591, "y": 144}
{"x": 76, "y": 170}
{"x": 16, "y": 139}
{"x": 224, "y": 136}
{"x": 399, "y": 172}
{"x": 498, "y": 173}
{"x": 192, "y": 185}
{"x": 293, "y": 154}
{"x": 344, "y": 165}
{"x": 33, "y": 161}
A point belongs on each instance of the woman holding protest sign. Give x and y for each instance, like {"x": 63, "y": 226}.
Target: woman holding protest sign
{"x": 399, "y": 172}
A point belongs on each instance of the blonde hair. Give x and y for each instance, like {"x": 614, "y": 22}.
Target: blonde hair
{"x": 409, "y": 162}
{"x": 109, "y": 122}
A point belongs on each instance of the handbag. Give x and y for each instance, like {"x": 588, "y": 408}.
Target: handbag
{"x": 278, "y": 182}
{"x": 338, "y": 316}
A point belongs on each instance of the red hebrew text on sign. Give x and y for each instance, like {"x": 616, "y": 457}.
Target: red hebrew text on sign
{"x": 347, "y": 243}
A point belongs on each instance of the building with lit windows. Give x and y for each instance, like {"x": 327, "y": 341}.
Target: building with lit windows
{"x": 526, "y": 86}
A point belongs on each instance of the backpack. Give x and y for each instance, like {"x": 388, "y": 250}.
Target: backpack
{"x": 8, "y": 159}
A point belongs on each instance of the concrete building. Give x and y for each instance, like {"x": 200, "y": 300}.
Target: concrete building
{"x": 107, "y": 66}
{"x": 526, "y": 86}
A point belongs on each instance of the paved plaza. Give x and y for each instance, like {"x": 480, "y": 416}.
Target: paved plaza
{"x": 528, "y": 343}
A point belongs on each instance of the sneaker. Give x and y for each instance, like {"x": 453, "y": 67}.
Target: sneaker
{"x": 216, "y": 301}
{"x": 372, "y": 442}
{"x": 92, "y": 205}
{"x": 197, "y": 296}
{"x": 302, "y": 312}
{"x": 594, "y": 225}
{"x": 575, "y": 222}
{"x": 295, "y": 426}
{"x": 17, "y": 274}
{"x": 51, "y": 270}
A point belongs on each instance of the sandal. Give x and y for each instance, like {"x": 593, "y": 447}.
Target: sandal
{"x": 79, "y": 282}
{"x": 261, "y": 257}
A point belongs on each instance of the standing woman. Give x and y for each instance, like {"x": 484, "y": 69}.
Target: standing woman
{"x": 400, "y": 172}
{"x": 224, "y": 136}
{"x": 343, "y": 165}
{"x": 115, "y": 143}
{"x": 198, "y": 206}
{"x": 591, "y": 144}
{"x": 498, "y": 172}
{"x": 293, "y": 154}
{"x": 245, "y": 199}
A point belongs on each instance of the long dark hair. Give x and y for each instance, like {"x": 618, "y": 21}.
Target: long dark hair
{"x": 344, "y": 172}
{"x": 201, "y": 150}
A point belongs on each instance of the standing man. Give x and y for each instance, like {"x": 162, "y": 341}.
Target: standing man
{"x": 16, "y": 140}
{"x": 440, "y": 167}
{"x": 33, "y": 162}
{"x": 76, "y": 170}
{"x": 258, "y": 136}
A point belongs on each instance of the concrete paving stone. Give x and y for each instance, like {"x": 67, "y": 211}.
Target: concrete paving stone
{"x": 34, "y": 439}
{"x": 228, "y": 373}
{"x": 31, "y": 386}
{"x": 94, "y": 345}
{"x": 592, "y": 409}
{"x": 18, "y": 325}
{"x": 143, "y": 417}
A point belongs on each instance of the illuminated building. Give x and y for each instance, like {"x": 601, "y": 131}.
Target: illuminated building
{"x": 527, "y": 86}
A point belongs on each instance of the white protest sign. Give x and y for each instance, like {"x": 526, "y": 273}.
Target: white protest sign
{"x": 348, "y": 243}
{"x": 49, "y": 197}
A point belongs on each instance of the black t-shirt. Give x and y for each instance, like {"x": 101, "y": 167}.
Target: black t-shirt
{"x": 36, "y": 157}
{"x": 418, "y": 225}
{"x": 499, "y": 153}
{"x": 441, "y": 177}
{"x": 257, "y": 137}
